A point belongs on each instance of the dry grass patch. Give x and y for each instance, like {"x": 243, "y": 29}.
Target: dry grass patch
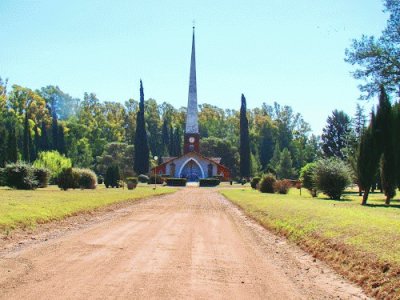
{"x": 362, "y": 243}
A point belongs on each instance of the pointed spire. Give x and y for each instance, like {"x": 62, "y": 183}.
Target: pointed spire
{"x": 192, "y": 125}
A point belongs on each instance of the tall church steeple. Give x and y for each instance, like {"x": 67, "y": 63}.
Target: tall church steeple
{"x": 192, "y": 136}
{"x": 191, "y": 117}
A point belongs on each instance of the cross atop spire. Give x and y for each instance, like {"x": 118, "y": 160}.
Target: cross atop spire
{"x": 192, "y": 125}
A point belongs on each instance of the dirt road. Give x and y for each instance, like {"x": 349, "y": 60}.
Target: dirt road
{"x": 192, "y": 244}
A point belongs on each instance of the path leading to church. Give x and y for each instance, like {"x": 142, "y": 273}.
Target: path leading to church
{"x": 192, "y": 244}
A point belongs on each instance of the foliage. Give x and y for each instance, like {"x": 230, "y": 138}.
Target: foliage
{"x": 112, "y": 176}
{"x": 132, "y": 180}
{"x": 155, "y": 179}
{"x": 307, "y": 178}
{"x": 254, "y": 182}
{"x": 335, "y": 134}
{"x": 68, "y": 179}
{"x": 2, "y": 177}
{"x": 141, "y": 161}
{"x": 266, "y": 184}
{"x": 282, "y": 186}
{"x": 42, "y": 175}
{"x": 244, "y": 149}
{"x": 331, "y": 176}
{"x": 53, "y": 161}
{"x": 87, "y": 179}
{"x": 176, "y": 181}
{"x": 20, "y": 176}
{"x": 117, "y": 153}
{"x": 209, "y": 182}
{"x": 378, "y": 58}
{"x": 143, "y": 178}
{"x": 284, "y": 168}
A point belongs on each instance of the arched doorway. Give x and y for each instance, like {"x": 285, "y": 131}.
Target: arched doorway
{"x": 191, "y": 170}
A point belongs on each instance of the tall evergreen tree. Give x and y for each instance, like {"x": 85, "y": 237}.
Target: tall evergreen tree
{"x": 244, "y": 141}
{"x": 384, "y": 133}
{"x": 368, "y": 160}
{"x": 54, "y": 128}
{"x": 3, "y": 146}
{"x": 12, "y": 145}
{"x": 335, "y": 134}
{"x": 141, "y": 158}
{"x": 26, "y": 140}
{"x": 165, "y": 136}
{"x": 177, "y": 142}
{"x": 61, "y": 139}
{"x": 44, "y": 141}
{"x": 171, "y": 146}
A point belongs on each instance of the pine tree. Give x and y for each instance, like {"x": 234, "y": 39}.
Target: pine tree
{"x": 244, "y": 141}
{"x": 359, "y": 121}
{"x": 266, "y": 148}
{"x": 384, "y": 134}
{"x": 276, "y": 158}
{"x": 396, "y": 138}
{"x": 285, "y": 168}
{"x": 177, "y": 142}
{"x": 368, "y": 160}
{"x": 141, "y": 158}
{"x": 26, "y": 140}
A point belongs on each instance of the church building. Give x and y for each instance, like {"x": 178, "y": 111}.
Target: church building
{"x": 192, "y": 164}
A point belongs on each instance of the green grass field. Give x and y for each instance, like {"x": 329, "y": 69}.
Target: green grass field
{"x": 359, "y": 234}
{"x": 21, "y": 209}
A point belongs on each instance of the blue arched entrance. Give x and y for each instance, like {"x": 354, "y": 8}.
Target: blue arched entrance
{"x": 191, "y": 171}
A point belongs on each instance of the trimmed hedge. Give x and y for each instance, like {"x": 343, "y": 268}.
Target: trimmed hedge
{"x": 112, "y": 177}
{"x": 266, "y": 184}
{"x": 158, "y": 180}
{"x": 254, "y": 182}
{"x": 176, "y": 181}
{"x": 87, "y": 179}
{"x": 42, "y": 175}
{"x": 20, "y": 176}
{"x": 209, "y": 182}
{"x": 73, "y": 178}
{"x": 143, "y": 178}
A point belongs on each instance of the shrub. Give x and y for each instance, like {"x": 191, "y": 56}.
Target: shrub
{"x": 243, "y": 181}
{"x": 143, "y": 178}
{"x": 131, "y": 182}
{"x": 20, "y": 176}
{"x": 54, "y": 162}
{"x": 2, "y": 177}
{"x": 255, "y": 181}
{"x": 176, "y": 181}
{"x": 331, "y": 177}
{"x": 156, "y": 179}
{"x": 306, "y": 177}
{"x": 100, "y": 179}
{"x": 266, "y": 184}
{"x": 282, "y": 186}
{"x": 112, "y": 177}
{"x": 209, "y": 182}
{"x": 42, "y": 175}
{"x": 87, "y": 178}
{"x": 68, "y": 179}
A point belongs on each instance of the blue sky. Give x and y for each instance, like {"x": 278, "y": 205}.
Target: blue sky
{"x": 272, "y": 50}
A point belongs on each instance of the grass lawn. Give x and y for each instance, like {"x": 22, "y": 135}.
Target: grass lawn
{"x": 362, "y": 243}
{"x": 20, "y": 209}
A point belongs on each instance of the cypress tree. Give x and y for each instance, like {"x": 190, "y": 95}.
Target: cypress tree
{"x": 26, "y": 139}
{"x": 3, "y": 146}
{"x": 368, "y": 160}
{"x": 54, "y": 131}
{"x": 171, "y": 146}
{"x": 244, "y": 141}
{"x": 61, "y": 139}
{"x": 141, "y": 157}
{"x": 165, "y": 137}
{"x": 384, "y": 135}
{"x": 44, "y": 141}
{"x": 396, "y": 138}
{"x": 12, "y": 147}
